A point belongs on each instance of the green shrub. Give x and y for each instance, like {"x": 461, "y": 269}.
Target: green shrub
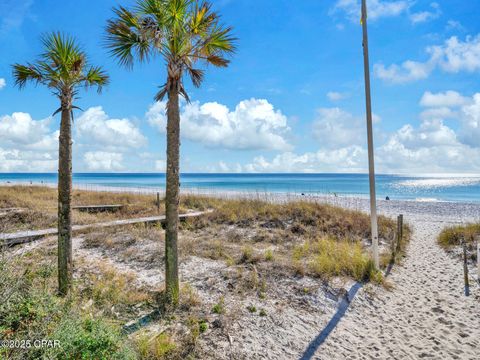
{"x": 202, "y": 326}
{"x": 219, "y": 308}
{"x": 86, "y": 338}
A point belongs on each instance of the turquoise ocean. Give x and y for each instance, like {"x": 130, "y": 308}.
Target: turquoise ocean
{"x": 397, "y": 187}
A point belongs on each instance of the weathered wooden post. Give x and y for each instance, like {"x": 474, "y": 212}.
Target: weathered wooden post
{"x": 465, "y": 268}
{"x": 158, "y": 201}
{"x": 399, "y": 232}
{"x": 478, "y": 258}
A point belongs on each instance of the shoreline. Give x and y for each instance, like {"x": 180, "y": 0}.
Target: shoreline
{"x": 228, "y": 193}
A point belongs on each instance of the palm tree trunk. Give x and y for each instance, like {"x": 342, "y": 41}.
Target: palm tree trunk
{"x": 65, "y": 265}
{"x": 172, "y": 195}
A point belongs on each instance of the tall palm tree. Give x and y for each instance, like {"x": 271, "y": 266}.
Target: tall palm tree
{"x": 63, "y": 68}
{"x": 186, "y": 34}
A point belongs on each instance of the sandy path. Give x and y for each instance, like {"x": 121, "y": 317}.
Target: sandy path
{"x": 425, "y": 316}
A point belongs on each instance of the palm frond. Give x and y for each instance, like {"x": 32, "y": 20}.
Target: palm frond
{"x": 61, "y": 67}
{"x": 217, "y": 61}
{"x": 162, "y": 93}
{"x": 186, "y": 33}
{"x": 127, "y": 36}
{"x": 95, "y": 77}
{"x": 25, "y": 73}
{"x": 196, "y": 75}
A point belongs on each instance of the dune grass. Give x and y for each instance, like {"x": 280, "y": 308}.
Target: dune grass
{"x": 30, "y": 309}
{"x": 327, "y": 257}
{"x": 38, "y": 207}
{"x": 451, "y": 238}
{"x": 300, "y": 217}
{"x": 338, "y": 236}
{"x": 261, "y": 242}
{"x": 88, "y": 322}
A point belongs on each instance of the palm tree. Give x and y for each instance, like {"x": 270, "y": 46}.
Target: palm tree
{"x": 186, "y": 34}
{"x": 63, "y": 68}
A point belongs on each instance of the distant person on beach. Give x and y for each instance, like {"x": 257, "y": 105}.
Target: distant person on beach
{"x": 387, "y": 198}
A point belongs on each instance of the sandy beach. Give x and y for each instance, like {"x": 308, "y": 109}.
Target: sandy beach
{"x": 422, "y": 313}
{"x": 426, "y": 314}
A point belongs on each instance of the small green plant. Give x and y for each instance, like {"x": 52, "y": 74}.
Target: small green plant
{"x": 262, "y": 312}
{"x": 202, "y": 326}
{"x": 160, "y": 347}
{"x": 219, "y": 308}
{"x": 247, "y": 255}
{"x": 251, "y": 308}
{"x": 89, "y": 339}
{"x": 269, "y": 255}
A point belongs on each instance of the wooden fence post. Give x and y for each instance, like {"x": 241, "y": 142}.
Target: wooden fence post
{"x": 399, "y": 232}
{"x": 478, "y": 258}
{"x": 158, "y": 202}
{"x": 465, "y": 267}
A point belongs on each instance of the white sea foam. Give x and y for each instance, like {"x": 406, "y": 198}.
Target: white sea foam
{"x": 427, "y": 199}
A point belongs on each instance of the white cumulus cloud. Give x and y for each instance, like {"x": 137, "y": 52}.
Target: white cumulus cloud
{"x": 347, "y": 159}
{"x": 20, "y": 129}
{"x": 335, "y": 128}
{"x": 3, "y": 83}
{"x": 103, "y": 161}
{"x": 95, "y": 127}
{"x": 427, "y": 15}
{"x": 253, "y": 125}
{"x": 452, "y": 56}
{"x": 443, "y": 99}
{"x": 376, "y": 8}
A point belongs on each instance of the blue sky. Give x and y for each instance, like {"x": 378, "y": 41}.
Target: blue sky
{"x": 291, "y": 101}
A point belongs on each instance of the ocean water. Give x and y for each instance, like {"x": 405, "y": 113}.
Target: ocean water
{"x": 396, "y": 187}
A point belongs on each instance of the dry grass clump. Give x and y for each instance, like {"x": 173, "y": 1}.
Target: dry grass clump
{"x": 451, "y": 237}
{"x": 327, "y": 258}
{"x": 111, "y": 290}
{"x": 39, "y": 206}
{"x": 299, "y": 218}
{"x": 24, "y": 219}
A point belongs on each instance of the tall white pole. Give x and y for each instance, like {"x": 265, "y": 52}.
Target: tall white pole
{"x": 371, "y": 159}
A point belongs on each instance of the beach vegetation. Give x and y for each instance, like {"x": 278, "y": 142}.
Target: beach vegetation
{"x": 219, "y": 307}
{"x": 269, "y": 255}
{"x": 326, "y": 257}
{"x": 63, "y": 68}
{"x": 451, "y": 238}
{"x": 187, "y": 35}
{"x": 29, "y": 309}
